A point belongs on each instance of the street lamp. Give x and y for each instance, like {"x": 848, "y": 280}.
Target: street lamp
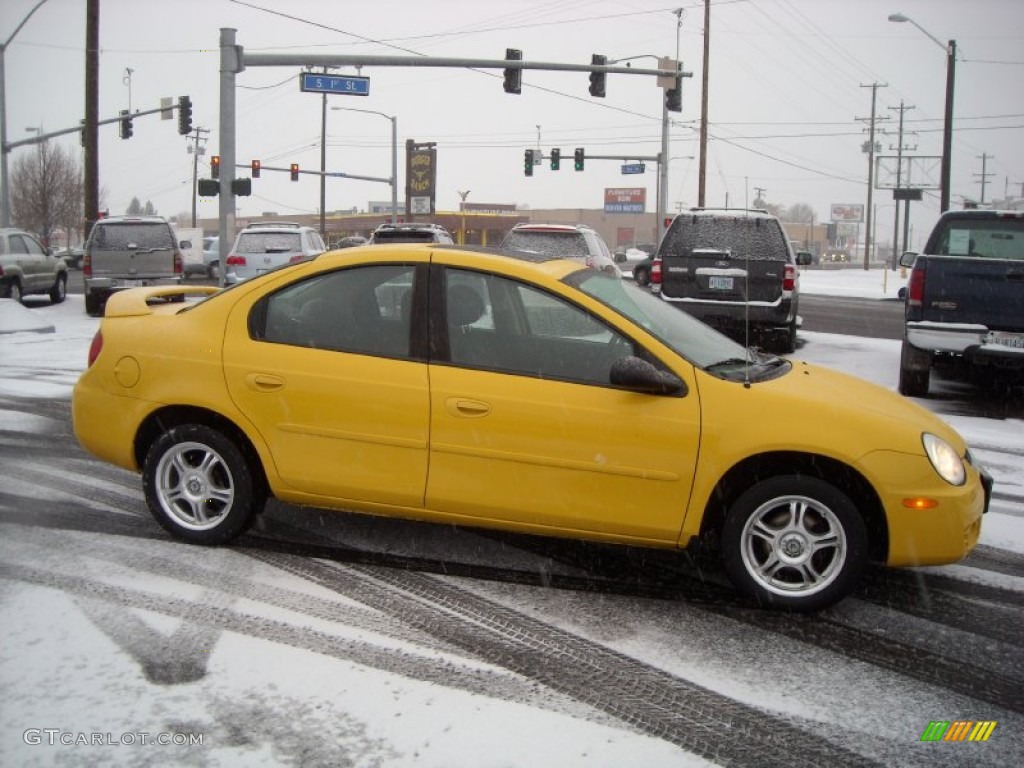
{"x": 5, "y": 187}
{"x": 394, "y": 154}
{"x": 947, "y": 128}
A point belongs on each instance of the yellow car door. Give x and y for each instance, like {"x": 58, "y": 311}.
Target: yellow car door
{"x": 324, "y": 374}
{"x": 526, "y": 429}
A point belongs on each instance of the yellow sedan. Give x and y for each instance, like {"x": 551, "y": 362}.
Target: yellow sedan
{"x": 519, "y": 392}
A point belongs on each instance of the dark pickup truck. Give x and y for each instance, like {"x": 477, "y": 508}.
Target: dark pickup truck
{"x": 965, "y": 302}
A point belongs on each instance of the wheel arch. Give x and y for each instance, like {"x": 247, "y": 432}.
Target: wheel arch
{"x": 163, "y": 419}
{"x": 767, "y": 465}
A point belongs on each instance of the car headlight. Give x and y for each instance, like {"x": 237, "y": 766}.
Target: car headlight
{"x": 944, "y": 459}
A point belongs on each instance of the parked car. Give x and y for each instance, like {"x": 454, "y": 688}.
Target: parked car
{"x": 264, "y": 246}
{"x": 209, "y": 266}
{"x": 567, "y": 241}
{"x": 73, "y": 257}
{"x": 525, "y": 393}
{"x": 410, "y": 233}
{"x": 127, "y": 252}
{"x": 351, "y": 241}
{"x": 630, "y": 258}
{"x": 964, "y": 305}
{"x": 26, "y": 268}
{"x": 735, "y": 270}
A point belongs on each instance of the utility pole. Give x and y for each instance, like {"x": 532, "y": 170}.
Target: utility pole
{"x": 899, "y": 178}
{"x": 195, "y": 139}
{"x": 871, "y": 170}
{"x": 91, "y": 175}
{"x": 702, "y": 172}
{"x": 984, "y": 157}
{"x": 759, "y": 191}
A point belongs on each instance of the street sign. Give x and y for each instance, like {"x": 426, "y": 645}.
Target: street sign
{"x": 343, "y": 84}
{"x": 633, "y": 168}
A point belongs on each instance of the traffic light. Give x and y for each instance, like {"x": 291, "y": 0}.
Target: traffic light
{"x": 126, "y": 124}
{"x": 241, "y": 187}
{"x": 255, "y": 169}
{"x": 674, "y": 96}
{"x": 295, "y": 171}
{"x": 556, "y": 158}
{"x": 578, "y": 157}
{"x": 597, "y": 78}
{"x": 513, "y": 77}
{"x": 215, "y": 167}
{"x": 528, "y": 162}
{"x": 208, "y": 187}
{"x": 184, "y": 115}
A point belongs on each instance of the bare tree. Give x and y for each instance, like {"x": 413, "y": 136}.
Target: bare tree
{"x": 46, "y": 190}
{"x": 800, "y": 213}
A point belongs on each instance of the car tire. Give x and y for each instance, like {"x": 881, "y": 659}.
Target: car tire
{"x": 199, "y": 485}
{"x": 915, "y": 371}
{"x": 794, "y": 542}
{"x": 59, "y": 291}
{"x": 13, "y": 291}
{"x": 642, "y": 277}
{"x": 213, "y": 270}
{"x": 786, "y": 343}
{"x": 94, "y": 305}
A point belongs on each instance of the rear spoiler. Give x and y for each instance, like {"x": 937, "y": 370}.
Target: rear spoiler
{"x": 133, "y": 302}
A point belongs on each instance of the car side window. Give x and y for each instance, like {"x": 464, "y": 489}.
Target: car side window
{"x": 499, "y": 324}
{"x": 365, "y": 310}
{"x": 18, "y": 244}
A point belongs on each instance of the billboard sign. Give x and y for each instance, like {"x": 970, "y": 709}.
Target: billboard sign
{"x": 625, "y": 199}
{"x": 847, "y": 212}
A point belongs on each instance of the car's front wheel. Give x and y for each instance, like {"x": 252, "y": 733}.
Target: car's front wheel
{"x": 59, "y": 291}
{"x": 642, "y": 276}
{"x": 199, "y": 485}
{"x": 794, "y": 542}
{"x": 13, "y": 291}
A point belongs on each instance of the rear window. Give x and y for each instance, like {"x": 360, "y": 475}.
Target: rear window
{"x": 407, "y": 236}
{"x": 119, "y": 237}
{"x": 982, "y": 238}
{"x": 743, "y": 237}
{"x": 556, "y": 244}
{"x": 269, "y": 242}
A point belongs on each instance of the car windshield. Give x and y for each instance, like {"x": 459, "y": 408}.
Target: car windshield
{"x": 549, "y": 243}
{"x": 699, "y": 343}
{"x": 269, "y": 242}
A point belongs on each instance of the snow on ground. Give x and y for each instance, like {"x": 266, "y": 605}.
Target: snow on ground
{"x": 259, "y": 699}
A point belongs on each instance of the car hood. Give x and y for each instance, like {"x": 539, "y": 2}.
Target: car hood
{"x": 812, "y": 406}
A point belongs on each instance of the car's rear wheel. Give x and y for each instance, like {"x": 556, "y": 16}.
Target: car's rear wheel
{"x": 794, "y": 542}
{"x": 94, "y": 305}
{"x": 213, "y": 270}
{"x": 915, "y": 371}
{"x": 59, "y": 291}
{"x": 642, "y": 276}
{"x": 199, "y": 485}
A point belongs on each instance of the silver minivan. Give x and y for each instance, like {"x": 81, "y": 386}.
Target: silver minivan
{"x": 126, "y": 252}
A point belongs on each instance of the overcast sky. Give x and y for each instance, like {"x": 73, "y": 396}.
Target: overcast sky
{"x": 787, "y": 92}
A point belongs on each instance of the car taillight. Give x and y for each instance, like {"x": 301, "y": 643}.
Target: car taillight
{"x": 656, "y": 272}
{"x": 234, "y": 260}
{"x": 179, "y": 265}
{"x": 915, "y": 286}
{"x": 95, "y": 348}
{"x": 87, "y": 264}
{"x": 789, "y": 278}
{"x": 297, "y": 257}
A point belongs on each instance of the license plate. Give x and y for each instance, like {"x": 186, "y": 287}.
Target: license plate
{"x": 720, "y": 283}
{"x": 1004, "y": 339}
{"x": 132, "y": 283}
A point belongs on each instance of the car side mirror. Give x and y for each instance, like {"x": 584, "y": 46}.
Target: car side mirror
{"x": 640, "y": 376}
{"x": 620, "y": 257}
{"x": 803, "y": 258}
{"x": 185, "y": 245}
{"x": 907, "y": 259}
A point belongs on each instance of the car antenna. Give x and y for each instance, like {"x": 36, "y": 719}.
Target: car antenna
{"x": 746, "y": 315}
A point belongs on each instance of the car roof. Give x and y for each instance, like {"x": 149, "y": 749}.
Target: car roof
{"x": 537, "y": 227}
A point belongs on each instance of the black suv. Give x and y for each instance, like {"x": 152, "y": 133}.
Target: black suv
{"x": 733, "y": 269}
{"x": 410, "y": 233}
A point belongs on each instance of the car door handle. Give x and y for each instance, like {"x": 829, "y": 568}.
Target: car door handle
{"x": 264, "y": 382}
{"x": 460, "y": 406}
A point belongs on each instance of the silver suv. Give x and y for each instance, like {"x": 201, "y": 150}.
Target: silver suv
{"x": 26, "y": 267}
{"x": 567, "y": 241}
{"x": 264, "y": 246}
{"x": 126, "y": 252}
